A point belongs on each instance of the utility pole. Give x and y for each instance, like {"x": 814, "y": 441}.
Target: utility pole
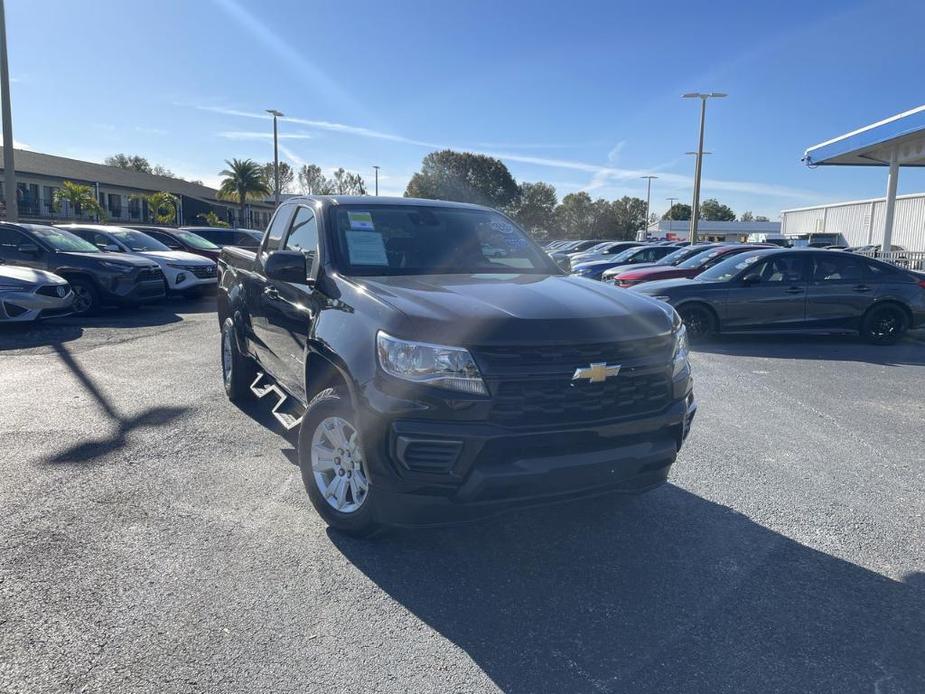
{"x": 671, "y": 202}
{"x": 276, "y": 114}
{"x": 648, "y": 197}
{"x": 377, "y": 179}
{"x": 9, "y": 168}
{"x": 695, "y": 206}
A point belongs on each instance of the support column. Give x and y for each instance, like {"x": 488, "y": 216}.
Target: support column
{"x": 890, "y": 203}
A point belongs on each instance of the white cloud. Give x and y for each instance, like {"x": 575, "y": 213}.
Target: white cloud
{"x": 260, "y": 135}
{"x": 614, "y": 153}
{"x": 17, "y": 144}
{"x": 150, "y": 131}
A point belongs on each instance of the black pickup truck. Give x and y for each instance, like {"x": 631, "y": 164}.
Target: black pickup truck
{"x": 441, "y": 367}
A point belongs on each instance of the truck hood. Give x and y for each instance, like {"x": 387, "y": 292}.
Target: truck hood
{"x": 26, "y": 277}
{"x": 111, "y": 257}
{"x": 514, "y": 309}
{"x": 176, "y": 257}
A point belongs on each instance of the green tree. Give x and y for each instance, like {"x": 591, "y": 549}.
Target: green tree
{"x": 747, "y": 216}
{"x": 630, "y": 217}
{"x": 535, "y": 208}
{"x": 348, "y": 183}
{"x": 244, "y": 180}
{"x": 80, "y": 198}
{"x": 678, "y": 212}
{"x": 576, "y": 215}
{"x": 129, "y": 161}
{"x": 464, "y": 177}
{"x": 162, "y": 207}
{"x": 714, "y": 211}
{"x": 286, "y": 176}
{"x": 762, "y": 218}
{"x": 159, "y": 170}
{"x": 313, "y": 182}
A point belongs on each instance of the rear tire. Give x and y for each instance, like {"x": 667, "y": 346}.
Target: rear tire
{"x": 86, "y": 297}
{"x": 238, "y": 371}
{"x": 699, "y": 320}
{"x": 333, "y": 464}
{"x": 884, "y": 325}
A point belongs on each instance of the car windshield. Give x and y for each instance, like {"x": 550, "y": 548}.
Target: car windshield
{"x": 725, "y": 270}
{"x": 432, "y": 240}
{"x": 679, "y": 256}
{"x": 195, "y": 241}
{"x": 62, "y": 240}
{"x": 136, "y": 241}
{"x": 627, "y": 254}
{"x": 598, "y": 247}
{"x": 701, "y": 259}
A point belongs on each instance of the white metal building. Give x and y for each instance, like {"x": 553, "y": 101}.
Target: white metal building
{"x": 861, "y": 222}
{"x": 735, "y": 231}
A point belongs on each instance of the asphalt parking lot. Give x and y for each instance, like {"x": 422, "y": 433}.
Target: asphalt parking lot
{"x": 154, "y": 537}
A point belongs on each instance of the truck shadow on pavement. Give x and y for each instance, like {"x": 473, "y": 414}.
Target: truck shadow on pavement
{"x": 665, "y": 592}
{"x": 910, "y": 351}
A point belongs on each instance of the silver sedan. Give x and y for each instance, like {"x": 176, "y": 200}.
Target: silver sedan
{"x": 27, "y": 295}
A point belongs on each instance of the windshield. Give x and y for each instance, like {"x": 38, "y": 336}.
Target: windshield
{"x": 426, "y": 240}
{"x": 702, "y": 259}
{"x": 195, "y": 241}
{"x": 679, "y": 256}
{"x": 62, "y": 240}
{"x": 727, "y": 269}
{"x": 627, "y": 254}
{"x": 137, "y": 242}
{"x": 598, "y": 247}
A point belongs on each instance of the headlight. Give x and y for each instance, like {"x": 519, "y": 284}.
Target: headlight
{"x": 436, "y": 365}
{"x": 681, "y": 351}
{"x": 117, "y": 267}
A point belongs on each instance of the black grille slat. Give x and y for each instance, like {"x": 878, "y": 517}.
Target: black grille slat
{"x": 203, "y": 272}
{"x": 149, "y": 275}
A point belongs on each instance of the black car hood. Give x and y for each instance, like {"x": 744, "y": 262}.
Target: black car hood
{"x": 123, "y": 258}
{"x": 512, "y": 309}
{"x": 657, "y": 287}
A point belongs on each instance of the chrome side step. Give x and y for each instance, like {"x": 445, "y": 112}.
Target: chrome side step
{"x": 287, "y": 411}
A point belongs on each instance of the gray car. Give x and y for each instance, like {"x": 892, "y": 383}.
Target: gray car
{"x": 27, "y": 295}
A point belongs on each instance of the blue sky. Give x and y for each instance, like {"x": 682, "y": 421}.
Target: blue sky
{"x": 585, "y": 96}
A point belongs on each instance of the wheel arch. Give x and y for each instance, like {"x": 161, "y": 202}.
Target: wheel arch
{"x": 325, "y": 370}
{"x": 880, "y": 303}
{"x": 699, "y": 303}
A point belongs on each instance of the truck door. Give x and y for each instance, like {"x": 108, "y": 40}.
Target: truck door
{"x": 290, "y": 307}
{"x": 256, "y": 288}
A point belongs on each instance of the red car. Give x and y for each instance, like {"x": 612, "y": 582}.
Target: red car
{"x": 689, "y": 268}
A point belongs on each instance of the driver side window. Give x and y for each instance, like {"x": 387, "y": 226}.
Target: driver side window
{"x": 779, "y": 270}
{"x": 303, "y": 233}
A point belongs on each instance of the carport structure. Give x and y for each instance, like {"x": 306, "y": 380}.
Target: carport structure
{"x": 894, "y": 142}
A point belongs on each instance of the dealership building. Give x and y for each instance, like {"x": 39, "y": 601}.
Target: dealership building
{"x": 860, "y": 222}
{"x": 733, "y": 232}
{"x": 121, "y": 193}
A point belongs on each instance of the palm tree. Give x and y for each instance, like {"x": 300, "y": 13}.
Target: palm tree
{"x": 163, "y": 207}
{"x": 80, "y": 198}
{"x": 244, "y": 179}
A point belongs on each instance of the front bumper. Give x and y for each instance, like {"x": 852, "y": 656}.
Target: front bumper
{"x": 24, "y": 306}
{"x": 193, "y": 277}
{"x": 429, "y": 472}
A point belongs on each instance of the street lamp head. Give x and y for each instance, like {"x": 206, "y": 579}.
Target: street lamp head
{"x": 274, "y": 112}
{"x": 648, "y": 177}
{"x": 694, "y": 154}
{"x": 704, "y": 95}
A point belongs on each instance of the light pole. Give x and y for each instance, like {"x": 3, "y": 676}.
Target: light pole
{"x": 695, "y": 206}
{"x": 697, "y": 157}
{"x": 9, "y": 169}
{"x": 671, "y": 202}
{"x": 377, "y": 179}
{"x": 276, "y": 114}
{"x": 648, "y": 180}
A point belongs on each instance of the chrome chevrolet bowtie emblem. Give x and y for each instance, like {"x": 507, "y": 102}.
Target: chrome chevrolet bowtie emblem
{"x": 596, "y": 373}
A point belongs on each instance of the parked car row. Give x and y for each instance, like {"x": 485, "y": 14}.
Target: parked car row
{"x": 52, "y": 271}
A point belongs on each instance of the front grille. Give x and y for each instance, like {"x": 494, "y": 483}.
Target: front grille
{"x": 203, "y": 272}
{"x": 149, "y": 275}
{"x": 428, "y": 455}
{"x": 52, "y": 290}
{"x": 567, "y": 358}
{"x": 551, "y": 400}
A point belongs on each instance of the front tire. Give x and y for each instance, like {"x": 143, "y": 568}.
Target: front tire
{"x": 334, "y": 467}
{"x": 86, "y": 297}
{"x": 884, "y": 325}
{"x": 699, "y": 320}
{"x": 238, "y": 371}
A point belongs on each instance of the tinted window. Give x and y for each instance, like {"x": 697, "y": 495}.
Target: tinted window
{"x": 137, "y": 241}
{"x": 838, "y": 267}
{"x": 882, "y": 272}
{"x": 218, "y": 236}
{"x": 165, "y": 239}
{"x": 303, "y": 233}
{"x": 780, "y": 269}
{"x": 245, "y": 240}
{"x": 62, "y": 240}
{"x": 277, "y": 228}
{"x": 195, "y": 241}
{"x": 10, "y": 239}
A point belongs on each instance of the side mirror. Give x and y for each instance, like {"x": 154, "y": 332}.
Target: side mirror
{"x": 28, "y": 248}
{"x": 287, "y": 266}
{"x": 108, "y": 247}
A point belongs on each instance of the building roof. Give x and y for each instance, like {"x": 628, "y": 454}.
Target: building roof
{"x": 708, "y": 227}
{"x": 873, "y": 144}
{"x": 39, "y": 164}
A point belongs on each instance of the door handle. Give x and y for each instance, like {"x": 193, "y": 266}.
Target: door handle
{"x": 793, "y": 290}
{"x": 862, "y": 288}
{"x": 271, "y": 293}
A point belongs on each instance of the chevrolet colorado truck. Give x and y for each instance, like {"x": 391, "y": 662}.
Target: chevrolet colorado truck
{"x": 440, "y": 367}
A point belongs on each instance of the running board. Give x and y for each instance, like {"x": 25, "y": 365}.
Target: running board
{"x": 287, "y": 411}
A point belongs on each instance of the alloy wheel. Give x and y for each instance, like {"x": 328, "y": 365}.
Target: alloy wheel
{"x": 338, "y": 465}
{"x": 83, "y": 300}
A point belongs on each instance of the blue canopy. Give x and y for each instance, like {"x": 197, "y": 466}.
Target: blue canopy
{"x": 873, "y": 145}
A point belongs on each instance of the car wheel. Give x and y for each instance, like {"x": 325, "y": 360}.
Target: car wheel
{"x": 884, "y": 325}
{"x": 699, "y": 320}
{"x": 334, "y": 466}
{"x": 86, "y": 298}
{"x": 238, "y": 371}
